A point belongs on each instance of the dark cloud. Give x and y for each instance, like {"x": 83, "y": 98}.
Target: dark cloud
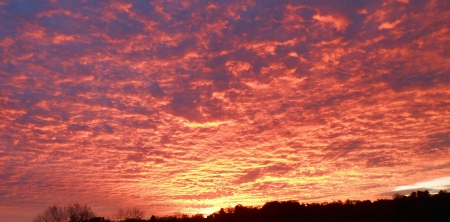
{"x": 25, "y": 9}
{"x": 278, "y": 169}
{"x": 343, "y": 148}
{"x": 437, "y": 142}
{"x": 186, "y": 104}
{"x": 383, "y": 161}
{"x": 78, "y": 127}
{"x": 156, "y": 90}
{"x": 249, "y": 176}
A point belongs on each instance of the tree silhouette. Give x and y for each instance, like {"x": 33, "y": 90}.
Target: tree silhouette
{"x": 79, "y": 213}
{"x": 129, "y": 214}
{"x": 72, "y": 213}
{"x": 418, "y": 206}
{"x": 121, "y": 214}
{"x": 135, "y": 213}
{"x": 53, "y": 214}
{"x": 97, "y": 219}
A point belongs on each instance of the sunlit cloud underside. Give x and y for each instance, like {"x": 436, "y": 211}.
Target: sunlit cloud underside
{"x": 436, "y": 184}
{"x": 190, "y": 106}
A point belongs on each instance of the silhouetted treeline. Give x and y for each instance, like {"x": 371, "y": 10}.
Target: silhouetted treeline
{"x": 419, "y": 206}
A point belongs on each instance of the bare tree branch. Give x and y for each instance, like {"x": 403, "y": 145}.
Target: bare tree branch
{"x": 79, "y": 213}
{"x": 53, "y": 214}
{"x": 130, "y": 213}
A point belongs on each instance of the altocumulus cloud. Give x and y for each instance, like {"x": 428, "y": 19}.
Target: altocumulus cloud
{"x": 190, "y": 106}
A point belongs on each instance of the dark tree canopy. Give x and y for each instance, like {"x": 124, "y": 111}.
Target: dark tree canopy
{"x": 418, "y": 206}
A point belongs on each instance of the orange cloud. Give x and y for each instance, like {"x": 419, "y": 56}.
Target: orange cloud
{"x": 391, "y": 25}
{"x": 340, "y": 23}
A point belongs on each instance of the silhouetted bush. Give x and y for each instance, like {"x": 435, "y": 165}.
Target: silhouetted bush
{"x": 97, "y": 219}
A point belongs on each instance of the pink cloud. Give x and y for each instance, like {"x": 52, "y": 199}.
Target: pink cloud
{"x": 391, "y": 25}
{"x": 62, "y": 38}
{"x": 339, "y": 22}
{"x": 192, "y": 107}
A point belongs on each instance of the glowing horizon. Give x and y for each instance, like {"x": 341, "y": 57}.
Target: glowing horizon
{"x": 436, "y": 184}
{"x": 193, "y": 106}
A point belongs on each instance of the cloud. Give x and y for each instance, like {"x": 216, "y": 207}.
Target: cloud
{"x": 249, "y": 176}
{"x": 436, "y": 184}
{"x": 339, "y": 23}
{"x": 390, "y": 25}
{"x": 162, "y": 104}
{"x": 156, "y": 90}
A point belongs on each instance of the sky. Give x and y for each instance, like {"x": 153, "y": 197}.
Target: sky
{"x": 190, "y": 106}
